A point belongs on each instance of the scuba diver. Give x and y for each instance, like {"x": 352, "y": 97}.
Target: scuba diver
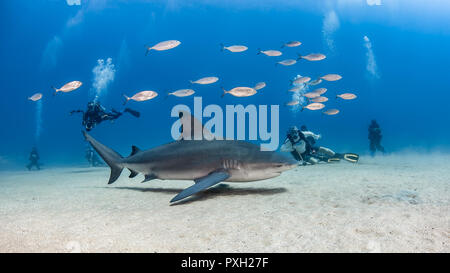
{"x": 295, "y": 143}
{"x": 301, "y": 144}
{"x": 310, "y": 136}
{"x": 375, "y": 138}
{"x": 92, "y": 157}
{"x": 300, "y": 147}
{"x": 95, "y": 114}
{"x": 34, "y": 158}
{"x": 317, "y": 153}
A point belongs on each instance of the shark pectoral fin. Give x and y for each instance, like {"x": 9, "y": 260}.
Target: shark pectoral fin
{"x": 132, "y": 173}
{"x": 202, "y": 184}
{"x": 149, "y": 177}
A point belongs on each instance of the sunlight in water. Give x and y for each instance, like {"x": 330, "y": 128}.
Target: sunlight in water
{"x": 38, "y": 120}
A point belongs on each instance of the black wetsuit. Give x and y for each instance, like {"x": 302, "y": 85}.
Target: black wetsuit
{"x": 375, "y": 138}
{"x": 34, "y": 158}
{"x": 95, "y": 114}
{"x": 292, "y": 137}
{"x": 312, "y": 151}
{"x": 92, "y": 158}
{"x": 310, "y": 143}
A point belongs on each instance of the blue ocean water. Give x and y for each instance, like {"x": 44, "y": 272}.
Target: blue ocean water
{"x": 399, "y": 72}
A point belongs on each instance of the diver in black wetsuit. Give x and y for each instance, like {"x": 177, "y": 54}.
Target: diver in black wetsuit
{"x": 92, "y": 157}
{"x": 95, "y": 114}
{"x": 301, "y": 144}
{"x": 295, "y": 143}
{"x": 317, "y": 153}
{"x": 34, "y": 158}
{"x": 375, "y": 138}
{"x": 310, "y": 136}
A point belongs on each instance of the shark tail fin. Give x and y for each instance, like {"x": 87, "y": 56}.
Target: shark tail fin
{"x": 111, "y": 157}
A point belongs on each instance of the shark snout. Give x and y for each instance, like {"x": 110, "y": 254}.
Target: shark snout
{"x": 287, "y": 165}
{"x": 290, "y": 166}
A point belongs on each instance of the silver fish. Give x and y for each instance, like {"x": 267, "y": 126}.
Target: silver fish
{"x": 166, "y": 45}
{"x": 270, "y": 53}
{"x": 319, "y": 99}
{"x": 301, "y": 80}
{"x": 36, "y": 97}
{"x": 235, "y": 48}
{"x": 206, "y": 80}
{"x": 68, "y": 87}
{"x": 292, "y": 44}
{"x": 331, "y": 112}
{"x": 240, "y": 92}
{"x": 347, "y": 96}
{"x": 295, "y": 89}
{"x": 287, "y": 62}
{"x": 312, "y": 57}
{"x": 182, "y": 93}
{"x": 311, "y": 95}
{"x": 320, "y": 91}
{"x": 314, "y": 106}
{"x": 314, "y": 82}
{"x": 331, "y": 77}
{"x": 142, "y": 96}
{"x": 259, "y": 85}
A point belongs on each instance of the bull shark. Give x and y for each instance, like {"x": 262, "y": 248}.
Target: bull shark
{"x": 206, "y": 162}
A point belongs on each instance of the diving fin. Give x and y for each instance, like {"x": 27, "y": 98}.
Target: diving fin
{"x": 202, "y": 184}
{"x": 133, "y": 112}
{"x": 333, "y": 159}
{"x": 351, "y": 157}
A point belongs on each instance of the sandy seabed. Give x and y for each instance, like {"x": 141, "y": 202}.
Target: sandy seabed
{"x": 395, "y": 203}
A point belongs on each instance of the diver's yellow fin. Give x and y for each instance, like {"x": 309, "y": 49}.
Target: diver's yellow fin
{"x": 351, "y": 157}
{"x": 333, "y": 159}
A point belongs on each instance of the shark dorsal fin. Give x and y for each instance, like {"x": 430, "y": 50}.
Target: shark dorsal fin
{"x": 192, "y": 128}
{"x": 134, "y": 150}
